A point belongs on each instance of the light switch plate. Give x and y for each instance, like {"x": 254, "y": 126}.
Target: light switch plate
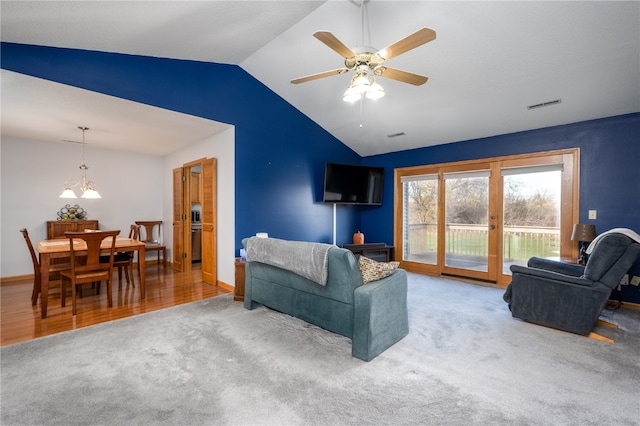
{"x": 593, "y": 214}
{"x": 635, "y": 280}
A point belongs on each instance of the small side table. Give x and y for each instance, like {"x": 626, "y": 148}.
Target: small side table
{"x": 238, "y": 291}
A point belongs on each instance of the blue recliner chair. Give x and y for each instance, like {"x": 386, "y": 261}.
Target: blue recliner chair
{"x": 571, "y": 297}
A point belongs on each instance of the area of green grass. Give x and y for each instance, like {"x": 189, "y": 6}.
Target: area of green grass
{"x": 515, "y": 246}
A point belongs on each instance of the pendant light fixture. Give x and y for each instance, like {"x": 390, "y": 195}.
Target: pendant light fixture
{"x": 87, "y": 187}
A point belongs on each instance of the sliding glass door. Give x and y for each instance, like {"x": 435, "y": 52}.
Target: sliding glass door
{"x": 474, "y": 219}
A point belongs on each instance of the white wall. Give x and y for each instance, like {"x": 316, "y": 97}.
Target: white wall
{"x": 221, "y": 147}
{"x": 32, "y": 177}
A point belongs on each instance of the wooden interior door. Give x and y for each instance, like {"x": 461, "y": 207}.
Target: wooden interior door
{"x": 179, "y": 217}
{"x": 208, "y": 219}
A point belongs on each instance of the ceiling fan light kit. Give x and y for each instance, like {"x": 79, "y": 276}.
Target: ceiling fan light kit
{"x": 366, "y": 63}
{"x": 363, "y": 84}
{"x": 85, "y": 185}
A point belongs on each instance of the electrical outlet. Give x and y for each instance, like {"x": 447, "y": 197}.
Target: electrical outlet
{"x": 635, "y": 280}
{"x": 593, "y": 214}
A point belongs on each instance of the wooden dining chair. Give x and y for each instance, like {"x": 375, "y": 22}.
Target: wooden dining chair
{"x": 86, "y": 267}
{"x": 152, "y": 244}
{"x": 123, "y": 261}
{"x": 54, "y": 269}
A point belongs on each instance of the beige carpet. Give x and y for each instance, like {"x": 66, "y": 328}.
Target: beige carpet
{"x": 465, "y": 361}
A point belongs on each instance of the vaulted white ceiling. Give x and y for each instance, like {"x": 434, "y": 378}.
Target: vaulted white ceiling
{"x": 490, "y": 61}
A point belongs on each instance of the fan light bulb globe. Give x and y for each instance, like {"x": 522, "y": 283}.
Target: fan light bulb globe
{"x": 375, "y": 92}
{"x": 361, "y": 84}
{"x": 351, "y": 95}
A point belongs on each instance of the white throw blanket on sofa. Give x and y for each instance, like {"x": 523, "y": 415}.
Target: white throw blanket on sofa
{"x": 306, "y": 259}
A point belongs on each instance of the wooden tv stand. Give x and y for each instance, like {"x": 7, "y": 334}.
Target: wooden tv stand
{"x": 379, "y": 252}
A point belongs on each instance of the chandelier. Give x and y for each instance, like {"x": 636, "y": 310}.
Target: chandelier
{"x": 363, "y": 84}
{"x": 87, "y": 187}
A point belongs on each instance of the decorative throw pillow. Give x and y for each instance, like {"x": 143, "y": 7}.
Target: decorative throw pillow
{"x": 372, "y": 270}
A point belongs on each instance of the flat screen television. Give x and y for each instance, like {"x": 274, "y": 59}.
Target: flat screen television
{"x": 347, "y": 184}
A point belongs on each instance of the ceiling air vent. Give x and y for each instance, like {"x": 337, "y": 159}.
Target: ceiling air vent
{"x": 544, "y": 104}
{"x": 395, "y": 135}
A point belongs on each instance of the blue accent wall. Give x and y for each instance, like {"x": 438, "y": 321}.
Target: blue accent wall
{"x": 280, "y": 153}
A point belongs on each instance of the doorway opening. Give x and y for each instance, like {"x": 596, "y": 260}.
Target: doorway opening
{"x": 194, "y": 217}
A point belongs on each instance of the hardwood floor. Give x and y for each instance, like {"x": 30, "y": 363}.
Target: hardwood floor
{"x": 21, "y": 321}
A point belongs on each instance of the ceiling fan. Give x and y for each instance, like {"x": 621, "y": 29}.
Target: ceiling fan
{"x": 367, "y": 63}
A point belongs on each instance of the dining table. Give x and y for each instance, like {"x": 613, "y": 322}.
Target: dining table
{"x": 59, "y": 248}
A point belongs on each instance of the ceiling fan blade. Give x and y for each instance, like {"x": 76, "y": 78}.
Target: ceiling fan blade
{"x": 412, "y": 41}
{"x": 332, "y": 41}
{"x": 403, "y": 76}
{"x": 319, "y": 75}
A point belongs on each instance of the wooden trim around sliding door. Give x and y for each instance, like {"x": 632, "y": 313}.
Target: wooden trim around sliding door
{"x": 569, "y": 209}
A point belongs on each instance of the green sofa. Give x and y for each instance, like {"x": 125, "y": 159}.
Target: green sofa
{"x": 374, "y": 315}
